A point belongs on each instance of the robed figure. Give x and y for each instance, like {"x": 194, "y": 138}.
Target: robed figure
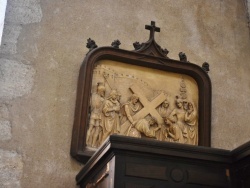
{"x": 111, "y": 109}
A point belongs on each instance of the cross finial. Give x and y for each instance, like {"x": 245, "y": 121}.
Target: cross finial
{"x": 152, "y": 29}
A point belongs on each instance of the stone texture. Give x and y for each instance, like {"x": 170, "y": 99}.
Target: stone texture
{"x": 18, "y": 13}
{"x": 11, "y": 34}
{"x": 5, "y": 130}
{"x": 4, "y": 112}
{"x": 248, "y": 5}
{"x": 23, "y": 12}
{"x": 45, "y": 46}
{"x": 11, "y": 167}
{"x": 8, "y": 48}
{"x": 16, "y": 79}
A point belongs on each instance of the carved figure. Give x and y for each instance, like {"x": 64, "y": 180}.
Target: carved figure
{"x": 143, "y": 126}
{"x": 179, "y": 115}
{"x": 191, "y": 120}
{"x": 185, "y": 105}
{"x": 163, "y": 109}
{"x": 149, "y": 108}
{"x": 133, "y": 118}
{"x": 111, "y": 109}
{"x": 130, "y": 108}
{"x": 96, "y": 105}
{"x": 174, "y": 132}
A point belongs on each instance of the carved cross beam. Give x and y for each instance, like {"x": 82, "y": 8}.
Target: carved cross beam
{"x": 149, "y": 107}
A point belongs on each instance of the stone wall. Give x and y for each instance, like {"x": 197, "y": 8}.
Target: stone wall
{"x": 42, "y": 49}
{"x": 248, "y": 9}
{"x": 248, "y": 5}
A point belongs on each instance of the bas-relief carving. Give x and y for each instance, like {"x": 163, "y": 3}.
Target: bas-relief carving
{"x": 141, "y": 102}
{"x": 96, "y": 117}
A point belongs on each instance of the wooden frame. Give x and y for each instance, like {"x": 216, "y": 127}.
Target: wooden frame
{"x": 149, "y": 55}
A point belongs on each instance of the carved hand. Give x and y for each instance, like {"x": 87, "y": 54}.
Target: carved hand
{"x": 117, "y": 109}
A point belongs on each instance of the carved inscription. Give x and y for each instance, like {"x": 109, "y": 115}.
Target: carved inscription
{"x": 143, "y": 103}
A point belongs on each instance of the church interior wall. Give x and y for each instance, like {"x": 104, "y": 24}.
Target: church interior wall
{"x": 44, "y": 44}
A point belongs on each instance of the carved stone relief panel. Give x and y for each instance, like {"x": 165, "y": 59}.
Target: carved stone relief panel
{"x": 142, "y": 102}
{"x": 140, "y": 93}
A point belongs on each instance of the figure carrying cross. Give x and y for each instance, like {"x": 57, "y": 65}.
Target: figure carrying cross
{"x": 149, "y": 108}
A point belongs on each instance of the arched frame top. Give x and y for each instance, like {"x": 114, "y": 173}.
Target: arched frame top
{"x": 78, "y": 146}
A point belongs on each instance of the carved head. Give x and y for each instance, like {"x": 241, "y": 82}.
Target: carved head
{"x": 113, "y": 94}
{"x": 179, "y": 102}
{"x": 190, "y": 106}
{"x": 101, "y": 89}
{"x": 119, "y": 97}
{"x": 152, "y": 121}
{"x": 185, "y": 105}
{"x": 134, "y": 98}
{"x": 165, "y": 104}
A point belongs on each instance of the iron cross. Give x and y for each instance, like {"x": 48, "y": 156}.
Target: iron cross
{"x": 152, "y": 29}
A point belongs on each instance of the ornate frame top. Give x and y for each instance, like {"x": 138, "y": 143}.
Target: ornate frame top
{"x": 148, "y": 56}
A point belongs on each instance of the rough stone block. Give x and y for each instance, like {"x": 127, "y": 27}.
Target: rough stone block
{"x": 23, "y": 13}
{"x": 5, "y": 130}
{"x": 23, "y": 2}
{"x": 4, "y": 112}
{"x": 16, "y": 79}
{"x": 9, "y": 40}
{"x": 11, "y": 168}
{"x": 11, "y": 33}
{"x": 8, "y": 48}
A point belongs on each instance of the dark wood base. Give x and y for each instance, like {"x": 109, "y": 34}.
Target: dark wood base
{"x": 124, "y": 162}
